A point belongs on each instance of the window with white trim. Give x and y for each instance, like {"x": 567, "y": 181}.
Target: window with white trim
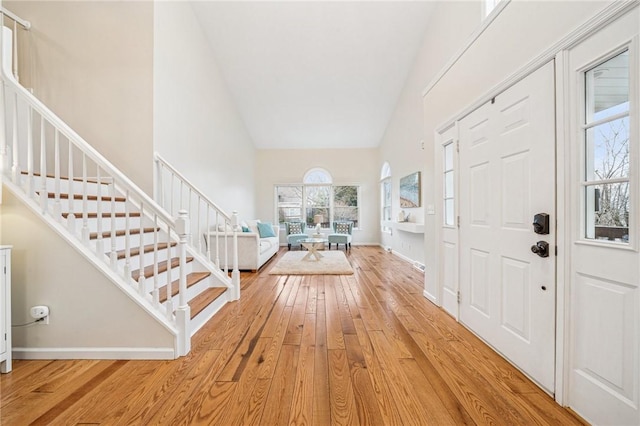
{"x": 317, "y": 200}
{"x": 606, "y": 150}
{"x": 385, "y": 197}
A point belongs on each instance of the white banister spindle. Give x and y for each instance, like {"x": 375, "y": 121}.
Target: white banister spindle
{"x": 30, "y": 188}
{"x": 198, "y": 228}
{"x": 217, "y": 234}
{"x": 15, "y": 166}
{"x": 171, "y": 197}
{"x": 235, "y": 274}
{"x": 85, "y": 203}
{"x": 15, "y": 51}
{"x": 183, "y": 312}
{"x": 57, "y": 208}
{"x": 113, "y": 256}
{"x": 169, "y": 303}
{"x": 207, "y": 233}
{"x": 127, "y": 240}
{"x": 156, "y": 282}
{"x": 43, "y": 167}
{"x": 71, "y": 217}
{"x": 99, "y": 240}
{"x": 141, "y": 278}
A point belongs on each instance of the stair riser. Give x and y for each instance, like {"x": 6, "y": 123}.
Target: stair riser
{"x": 162, "y": 278}
{"x": 192, "y": 291}
{"x": 107, "y": 223}
{"x": 147, "y": 259}
{"x": 92, "y": 206}
{"x": 134, "y": 241}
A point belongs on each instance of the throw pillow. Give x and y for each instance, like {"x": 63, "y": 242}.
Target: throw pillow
{"x": 246, "y": 229}
{"x": 342, "y": 228}
{"x": 295, "y": 228}
{"x": 265, "y": 230}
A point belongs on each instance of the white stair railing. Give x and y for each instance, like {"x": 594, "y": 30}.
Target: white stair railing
{"x": 40, "y": 148}
{"x": 175, "y": 192}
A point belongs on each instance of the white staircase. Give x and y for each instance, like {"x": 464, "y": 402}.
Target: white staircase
{"x": 106, "y": 217}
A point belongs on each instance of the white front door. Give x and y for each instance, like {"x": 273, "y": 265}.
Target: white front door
{"x": 507, "y": 175}
{"x": 604, "y": 297}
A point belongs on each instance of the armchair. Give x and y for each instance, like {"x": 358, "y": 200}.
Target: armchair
{"x": 295, "y": 232}
{"x": 342, "y": 235}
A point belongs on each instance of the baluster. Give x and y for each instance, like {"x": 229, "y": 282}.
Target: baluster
{"x": 183, "y": 312}
{"x": 190, "y": 197}
{"x": 141, "y": 278}
{"x": 156, "y": 282}
{"x": 168, "y": 276}
{"x": 159, "y": 184}
{"x": 217, "y": 238}
{"x": 30, "y": 187}
{"x": 15, "y": 167}
{"x": 198, "y": 225}
{"x": 85, "y": 201}
{"x": 235, "y": 274}
{"x": 43, "y": 167}
{"x": 113, "y": 255}
{"x": 99, "y": 242}
{"x": 15, "y": 51}
{"x": 181, "y": 196}
{"x": 57, "y": 208}
{"x": 71, "y": 217}
{"x": 127, "y": 240}
{"x": 171, "y": 197}
{"x": 208, "y": 233}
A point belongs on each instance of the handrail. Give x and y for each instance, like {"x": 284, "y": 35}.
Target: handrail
{"x": 25, "y": 24}
{"x": 212, "y": 215}
{"x": 175, "y": 171}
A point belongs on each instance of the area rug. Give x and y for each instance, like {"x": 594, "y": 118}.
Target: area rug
{"x": 331, "y": 263}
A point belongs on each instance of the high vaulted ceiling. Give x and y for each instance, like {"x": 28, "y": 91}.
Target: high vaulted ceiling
{"x": 315, "y": 74}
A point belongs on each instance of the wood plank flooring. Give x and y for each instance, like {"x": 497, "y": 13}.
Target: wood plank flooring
{"x": 366, "y": 349}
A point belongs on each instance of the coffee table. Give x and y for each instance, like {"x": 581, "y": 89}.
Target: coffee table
{"x": 313, "y": 245}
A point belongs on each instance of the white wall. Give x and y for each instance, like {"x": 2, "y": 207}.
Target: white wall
{"x": 401, "y": 146}
{"x": 347, "y": 166}
{"x": 197, "y": 127}
{"x": 523, "y": 30}
{"x": 91, "y": 63}
{"x": 108, "y": 318}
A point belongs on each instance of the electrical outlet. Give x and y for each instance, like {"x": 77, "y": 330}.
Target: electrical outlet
{"x": 38, "y": 312}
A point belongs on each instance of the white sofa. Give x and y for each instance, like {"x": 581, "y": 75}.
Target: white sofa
{"x": 253, "y": 251}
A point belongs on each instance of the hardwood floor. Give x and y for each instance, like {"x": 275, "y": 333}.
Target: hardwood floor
{"x": 362, "y": 349}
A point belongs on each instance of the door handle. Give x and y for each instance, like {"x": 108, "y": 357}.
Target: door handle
{"x": 541, "y": 248}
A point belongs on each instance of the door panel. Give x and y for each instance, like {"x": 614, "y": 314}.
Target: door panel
{"x": 507, "y": 175}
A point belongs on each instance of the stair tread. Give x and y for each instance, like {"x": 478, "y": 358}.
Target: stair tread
{"x": 64, "y": 196}
{"x": 162, "y": 267}
{"x": 204, "y": 299}
{"x": 93, "y": 215}
{"x": 192, "y": 279}
{"x": 121, "y": 232}
{"x": 121, "y": 254}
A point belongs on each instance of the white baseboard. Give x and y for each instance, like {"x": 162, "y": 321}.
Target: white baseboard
{"x": 94, "y": 353}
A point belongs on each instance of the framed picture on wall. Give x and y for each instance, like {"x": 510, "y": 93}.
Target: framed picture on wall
{"x": 410, "y": 190}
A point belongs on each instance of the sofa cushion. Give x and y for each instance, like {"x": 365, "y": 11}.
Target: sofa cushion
{"x": 266, "y": 244}
{"x": 266, "y": 230}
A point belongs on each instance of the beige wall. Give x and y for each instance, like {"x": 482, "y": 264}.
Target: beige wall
{"x": 523, "y": 30}
{"x": 346, "y": 166}
{"x": 92, "y": 64}
{"x": 197, "y": 127}
{"x": 401, "y": 145}
{"x": 109, "y": 318}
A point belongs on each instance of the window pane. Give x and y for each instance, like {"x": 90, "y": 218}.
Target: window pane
{"x": 607, "y": 150}
{"x": 607, "y": 208}
{"x": 387, "y": 193}
{"x": 448, "y": 185}
{"x": 345, "y": 203}
{"x": 289, "y": 203}
{"x": 448, "y": 157}
{"x": 318, "y": 204}
{"x": 449, "y": 212}
{"x": 607, "y": 88}
{"x": 317, "y": 176}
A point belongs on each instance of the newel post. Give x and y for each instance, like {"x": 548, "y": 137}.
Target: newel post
{"x": 183, "y": 312}
{"x": 235, "y": 274}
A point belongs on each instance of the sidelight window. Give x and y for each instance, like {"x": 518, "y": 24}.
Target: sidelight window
{"x": 606, "y": 150}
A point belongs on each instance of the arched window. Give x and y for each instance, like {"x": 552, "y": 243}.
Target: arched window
{"x": 318, "y": 201}
{"x": 385, "y": 197}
